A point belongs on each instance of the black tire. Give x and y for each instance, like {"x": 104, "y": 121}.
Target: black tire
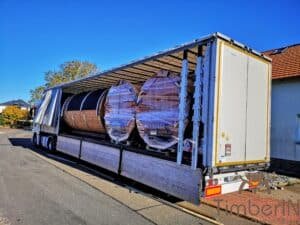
{"x": 34, "y": 140}
{"x": 51, "y": 145}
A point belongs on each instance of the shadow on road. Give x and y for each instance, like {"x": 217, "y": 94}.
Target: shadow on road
{"x": 92, "y": 169}
{"x": 23, "y": 142}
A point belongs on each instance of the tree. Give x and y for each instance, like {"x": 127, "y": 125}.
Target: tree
{"x": 36, "y": 94}
{"x": 1, "y": 120}
{"x": 68, "y": 71}
{"x": 11, "y": 114}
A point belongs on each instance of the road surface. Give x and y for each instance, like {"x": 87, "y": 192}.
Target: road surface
{"x": 34, "y": 192}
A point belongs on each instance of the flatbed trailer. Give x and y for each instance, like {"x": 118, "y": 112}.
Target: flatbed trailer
{"x": 231, "y": 101}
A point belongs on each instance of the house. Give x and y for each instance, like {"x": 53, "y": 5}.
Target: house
{"x": 285, "y": 113}
{"x": 20, "y": 103}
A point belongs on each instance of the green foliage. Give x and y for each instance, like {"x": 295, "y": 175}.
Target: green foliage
{"x": 68, "y": 71}
{"x": 11, "y": 114}
{"x": 36, "y": 94}
{"x": 1, "y": 120}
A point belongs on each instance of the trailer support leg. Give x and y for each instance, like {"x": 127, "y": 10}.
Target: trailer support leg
{"x": 197, "y": 107}
{"x": 182, "y": 106}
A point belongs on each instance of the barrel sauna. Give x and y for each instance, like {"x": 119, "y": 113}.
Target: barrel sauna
{"x": 158, "y": 111}
{"x": 120, "y": 107}
{"x": 85, "y": 111}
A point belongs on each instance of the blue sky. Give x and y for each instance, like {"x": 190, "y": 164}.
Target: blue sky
{"x": 37, "y": 36}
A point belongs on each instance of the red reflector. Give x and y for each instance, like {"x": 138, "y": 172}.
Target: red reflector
{"x": 253, "y": 184}
{"x": 213, "y": 190}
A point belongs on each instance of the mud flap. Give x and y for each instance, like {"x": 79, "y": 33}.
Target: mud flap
{"x": 169, "y": 177}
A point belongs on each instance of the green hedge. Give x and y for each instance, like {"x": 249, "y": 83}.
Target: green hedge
{"x": 1, "y": 120}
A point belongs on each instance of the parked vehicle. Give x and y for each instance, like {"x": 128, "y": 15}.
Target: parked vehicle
{"x": 222, "y": 122}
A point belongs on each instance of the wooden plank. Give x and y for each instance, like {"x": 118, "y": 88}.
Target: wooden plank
{"x": 161, "y": 66}
{"x": 138, "y": 71}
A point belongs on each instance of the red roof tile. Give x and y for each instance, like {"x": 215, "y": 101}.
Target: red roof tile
{"x": 285, "y": 61}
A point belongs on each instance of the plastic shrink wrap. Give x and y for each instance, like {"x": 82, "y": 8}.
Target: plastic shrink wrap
{"x": 120, "y": 107}
{"x": 158, "y": 111}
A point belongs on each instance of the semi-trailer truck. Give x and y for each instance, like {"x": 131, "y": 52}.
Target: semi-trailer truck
{"x": 228, "y": 131}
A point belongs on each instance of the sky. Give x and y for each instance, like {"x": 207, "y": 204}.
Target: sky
{"x": 38, "y": 35}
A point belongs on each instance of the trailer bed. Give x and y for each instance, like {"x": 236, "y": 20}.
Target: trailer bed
{"x": 164, "y": 175}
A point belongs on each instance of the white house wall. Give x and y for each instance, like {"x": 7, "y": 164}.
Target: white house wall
{"x": 285, "y": 108}
{"x": 2, "y": 108}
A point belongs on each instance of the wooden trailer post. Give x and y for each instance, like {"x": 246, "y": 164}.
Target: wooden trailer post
{"x": 182, "y": 105}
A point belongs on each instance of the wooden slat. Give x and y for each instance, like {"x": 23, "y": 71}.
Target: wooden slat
{"x": 178, "y": 61}
{"x": 138, "y": 74}
{"x": 118, "y": 77}
{"x": 128, "y": 75}
{"x": 191, "y": 57}
{"x": 110, "y": 78}
{"x": 139, "y": 71}
{"x": 161, "y": 66}
{"x": 147, "y": 68}
{"x": 175, "y": 65}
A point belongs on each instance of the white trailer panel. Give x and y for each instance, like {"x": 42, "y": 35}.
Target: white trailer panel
{"x": 242, "y": 96}
{"x": 257, "y": 142}
{"x": 232, "y": 105}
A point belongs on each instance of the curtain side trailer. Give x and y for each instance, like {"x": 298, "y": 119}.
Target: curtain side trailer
{"x": 230, "y": 120}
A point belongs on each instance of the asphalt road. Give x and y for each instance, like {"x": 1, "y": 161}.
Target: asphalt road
{"x": 34, "y": 192}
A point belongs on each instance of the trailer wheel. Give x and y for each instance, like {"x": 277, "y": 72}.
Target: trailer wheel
{"x": 51, "y": 144}
{"x": 34, "y": 140}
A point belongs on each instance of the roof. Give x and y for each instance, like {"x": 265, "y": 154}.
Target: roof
{"x": 18, "y": 102}
{"x": 140, "y": 70}
{"x": 285, "y": 61}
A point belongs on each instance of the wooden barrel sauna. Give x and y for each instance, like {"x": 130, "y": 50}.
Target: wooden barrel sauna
{"x": 85, "y": 111}
{"x": 158, "y": 111}
{"x": 120, "y": 107}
